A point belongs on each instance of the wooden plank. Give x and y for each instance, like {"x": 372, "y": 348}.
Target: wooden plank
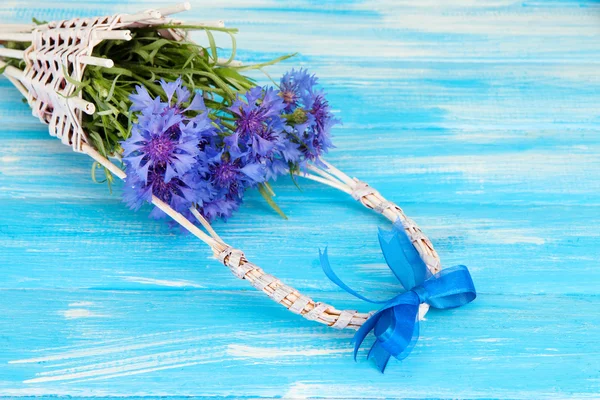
{"x": 478, "y": 118}
{"x": 213, "y": 343}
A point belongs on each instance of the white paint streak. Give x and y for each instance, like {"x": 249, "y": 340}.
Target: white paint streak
{"x": 97, "y": 351}
{"x": 122, "y": 341}
{"x": 312, "y": 389}
{"x": 147, "y": 370}
{"x": 297, "y": 390}
{"x": 135, "y": 365}
{"x": 171, "y": 355}
{"x": 81, "y": 304}
{"x": 509, "y": 167}
{"x": 237, "y": 350}
{"x": 161, "y": 282}
{"x": 9, "y": 159}
{"x": 121, "y": 360}
{"x": 457, "y": 18}
{"x": 79, "y": 313}
{"x": 506, "y": 236}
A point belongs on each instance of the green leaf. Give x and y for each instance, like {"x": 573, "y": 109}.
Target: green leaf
{"x": 292, "y": 170}
{"x": 196, "y": 27}
{"x": 213, "y": 46}
{"x": 235, "y": 78}
{"x": 158, "y": 44}
{"x": 269, "y": 189}
{"x": 112, "y": 88}
{"x": 72, "y": 81}
{"x": 276, "y": 84}
{"x": 38, "y": 22}
{"x": 269, "y": 199}
{"x": 233, "y": 48}
{"x": 266, "y": 64}
{"x": 95, "y": 165}
{"x": 99, "y": 143}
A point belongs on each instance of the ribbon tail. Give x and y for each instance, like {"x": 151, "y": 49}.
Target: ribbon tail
{"x": 335, "y": 279}
{"x": 380, "y": 354}
{"x": 363, "y": 331}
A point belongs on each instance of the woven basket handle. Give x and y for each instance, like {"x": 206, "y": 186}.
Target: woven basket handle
{"x": 274, "y": 288}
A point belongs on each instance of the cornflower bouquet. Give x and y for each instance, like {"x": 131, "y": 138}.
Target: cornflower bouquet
{"x": 190, "y": 155}
{"x": 190, "y": 133}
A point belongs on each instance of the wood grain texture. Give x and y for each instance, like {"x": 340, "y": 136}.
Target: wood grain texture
{"x": 479, "y": 118}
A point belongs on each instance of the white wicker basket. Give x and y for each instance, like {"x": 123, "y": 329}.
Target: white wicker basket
{"x": 65, "y": 47}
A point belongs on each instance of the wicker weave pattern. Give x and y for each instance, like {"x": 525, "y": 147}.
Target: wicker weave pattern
{"x": 287, "y": 296}
{"x": 53, "y": 52}
{"x": 58, "y": 56}
{"x": 65, "y": 48}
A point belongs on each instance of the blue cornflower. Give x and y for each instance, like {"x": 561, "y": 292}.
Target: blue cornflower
{"x": 291, "y": 152}
{"x": 164, "y": 154}
{"x": 172, "y": 88}
{"x": 317, "y": 135}
{"x": 258, "y": 125}
{"x": 222, "y": 206}
{"x": 233, "y": 175}
{"x": 307, "y": 112}
{"x": 161, "y": 139}
{"x": 293, "y": 86}
{"x": 227, "y": 179}
{"x": 275, "y": 167}
{"x": 180, "y": 192}
{"x": 187, "y": 159}
{"x": 142, "y": 101}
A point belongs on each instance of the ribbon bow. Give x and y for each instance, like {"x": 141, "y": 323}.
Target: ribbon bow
{"x": 396, "y": 324}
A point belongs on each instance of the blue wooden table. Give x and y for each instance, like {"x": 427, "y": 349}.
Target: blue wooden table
{"x": 479, "y": 118}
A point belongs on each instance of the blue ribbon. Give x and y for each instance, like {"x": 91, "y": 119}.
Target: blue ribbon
{"x": 396, "y": 324}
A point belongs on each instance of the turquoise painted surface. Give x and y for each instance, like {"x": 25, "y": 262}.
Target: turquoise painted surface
{"x": 479, "y": 118}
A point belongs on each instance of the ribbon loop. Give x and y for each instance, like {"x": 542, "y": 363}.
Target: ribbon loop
{"x": 396, "y": 325}
{"x": 402, "y": 257}
{"x": 450, "y": 288}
